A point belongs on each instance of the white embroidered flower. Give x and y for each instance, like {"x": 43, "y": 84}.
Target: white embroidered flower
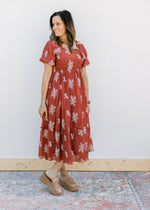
{"x": 80, "y": 132}
{"x": 85, "y": 146}
{"x": 65, "y": 137}
{"x": 81, "y": 98}
{"x": 52, "y": 109}
{"x": 71, "y": 83}
{"x": 82, "y": 114}
{"x": 51, "y": 62}
{"x": 70, "y": 66}
{"x": 72, "y": 136}
{"x": 79, "y": 82}
{"x": 87, "y": 125}
{"x": 72, "y": 152}
{"x": 65, "y": 96}
{"x": 45, "y": 54}
{"x": 56, "y": 151}
{"x": 51, "y": 125}
{"x": 57, "y": 50}
{"x": 58, "y": 120}
{"x": 45, "y": 148}
{"x": 50, "y": 144}
{"x": 75, "y": 117}
{"x": 72, "y": 100}
{"x": 84, "y": 130}
{"x": 58, "y": 56}
{"x": 59, "y": 103}
{"x": 54, "y": 93}
{"x": 84, "y": 57}
{"x": 49, "y": 86}
{"x": 56, "y": 76}
{"x": 57, "y": 135}
{"x": 60, "y": 87}
{"x": 66, "y": 154}
{"x": 61, "y": 71}
{"x": 68, "y": 130}
{"x": 63, "y": 123}
{"x": 45, "y": 133}
{"x": 67, "y": 51}
{"x": 78, "y": 56}
{"x": 86, "y": 110}
{"x": 46, "y": 118}
{"x": 62, "y": 147}
{"x": 81, "y": 147}
{"x": 64, "y": 79}
{"x": 68, "y": 113}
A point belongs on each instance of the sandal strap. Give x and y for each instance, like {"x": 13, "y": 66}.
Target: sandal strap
{"x": 50, "y": 178}
{"x": 69, "y": 180}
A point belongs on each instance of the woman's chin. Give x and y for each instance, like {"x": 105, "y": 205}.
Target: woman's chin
{"x": 57, "y": 35}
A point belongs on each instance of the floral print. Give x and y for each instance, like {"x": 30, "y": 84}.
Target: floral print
{"x": 65, "y": 133}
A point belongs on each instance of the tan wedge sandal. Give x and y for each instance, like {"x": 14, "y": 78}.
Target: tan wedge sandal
{"x": 52, "y": 185}
{"x": 69, "y": 184}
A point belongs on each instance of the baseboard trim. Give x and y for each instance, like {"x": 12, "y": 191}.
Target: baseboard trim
{"x": 91, "y": 165}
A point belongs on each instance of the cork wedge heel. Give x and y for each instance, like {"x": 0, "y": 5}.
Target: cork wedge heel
{"x": 69, "y": 184}
{"x": 53, "y": 186}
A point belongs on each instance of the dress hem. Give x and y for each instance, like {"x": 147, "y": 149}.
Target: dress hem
{"x": 69, "y": 163}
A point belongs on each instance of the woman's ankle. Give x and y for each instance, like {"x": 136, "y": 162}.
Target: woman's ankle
{"x": 55, "y": 168}
{"x": 63, "y": 171}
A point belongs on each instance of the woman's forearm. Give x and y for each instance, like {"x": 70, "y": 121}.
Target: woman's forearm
{"x": 44, "y": 88}
{"x": 85, "y": 79}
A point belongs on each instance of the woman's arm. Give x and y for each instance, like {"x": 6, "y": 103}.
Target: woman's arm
{"x": 46, "y": 77}
{"x": 85, "y": 78}
{"x": 45, "y": 80}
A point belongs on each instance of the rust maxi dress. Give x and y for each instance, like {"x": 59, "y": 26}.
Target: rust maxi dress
{"x": 65, "y": 133}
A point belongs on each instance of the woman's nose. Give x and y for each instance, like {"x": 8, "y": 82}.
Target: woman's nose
{"x": 54, "y": 27}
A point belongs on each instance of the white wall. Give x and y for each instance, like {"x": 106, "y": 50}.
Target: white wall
{"x": 116, "y": 34}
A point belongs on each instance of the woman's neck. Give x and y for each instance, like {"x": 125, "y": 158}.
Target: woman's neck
{"x": 63, "y": 39}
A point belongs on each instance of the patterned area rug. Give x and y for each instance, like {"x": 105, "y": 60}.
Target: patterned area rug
{"x": 98, "y": 190}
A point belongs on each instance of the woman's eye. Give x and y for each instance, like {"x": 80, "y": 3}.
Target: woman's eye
{"x": 56, "y": 24}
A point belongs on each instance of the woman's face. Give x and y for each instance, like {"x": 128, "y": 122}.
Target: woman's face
{"x": 58, "y": 26}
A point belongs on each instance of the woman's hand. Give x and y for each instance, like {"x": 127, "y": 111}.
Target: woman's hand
{"x": 42, "y": 110}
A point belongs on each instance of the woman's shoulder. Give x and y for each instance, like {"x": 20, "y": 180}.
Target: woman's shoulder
{"x": 52, "y": 43}
{"x": 80, "y": 45}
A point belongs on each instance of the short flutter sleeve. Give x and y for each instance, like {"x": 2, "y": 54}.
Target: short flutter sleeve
{"x": 47, "y": 54}
{"x": 84, "y": 56}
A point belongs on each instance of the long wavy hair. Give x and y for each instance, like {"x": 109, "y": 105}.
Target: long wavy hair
{"x": 69, "y": 25}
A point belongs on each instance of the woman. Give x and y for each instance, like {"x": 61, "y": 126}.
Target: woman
{"x": 65, "y": 106}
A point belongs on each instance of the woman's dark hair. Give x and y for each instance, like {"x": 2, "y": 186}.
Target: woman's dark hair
{"x": 70, "y": 29}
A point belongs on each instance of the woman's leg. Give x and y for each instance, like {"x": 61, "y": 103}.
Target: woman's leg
{"x": 53, "y": 171}
{"x": 63, "y": 171}
{"x": 50, "y": 178}
{"x": 71, "y": 185}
